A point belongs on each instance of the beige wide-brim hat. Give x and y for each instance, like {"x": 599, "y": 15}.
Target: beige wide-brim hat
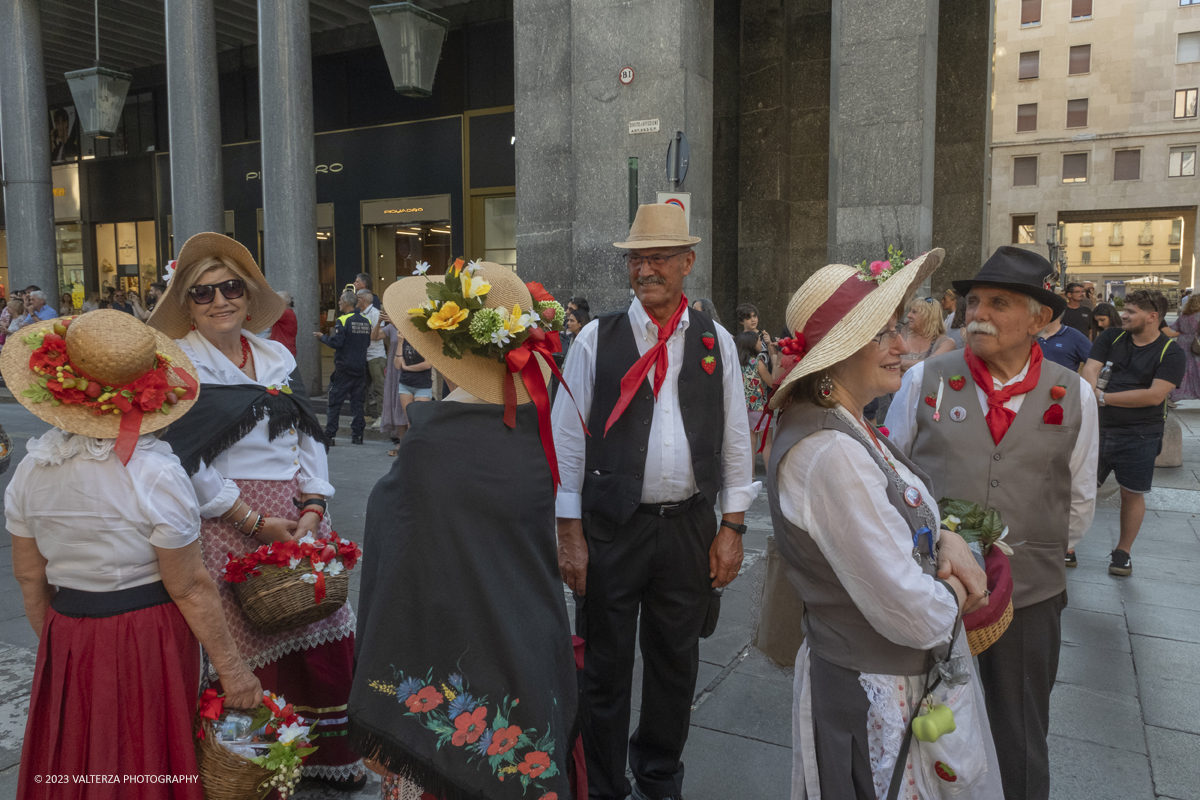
{"x": 857, "y": 327}
{"x": 482, "y": 377}
{"x": 658, "y": 225}
{"x": 171, "y": 314}
{"x": 109, "y": 346}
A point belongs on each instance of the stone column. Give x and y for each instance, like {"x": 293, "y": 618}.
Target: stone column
{"x": 194, "y": 120}
{"x": 28, "y": 201}
{"x": 288, "y": 168}
{"x": 883, "y": 91}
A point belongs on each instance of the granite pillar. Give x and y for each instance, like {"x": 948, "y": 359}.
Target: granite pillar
{"x": 727, "y": 39}
{"x": 25, "y": 150}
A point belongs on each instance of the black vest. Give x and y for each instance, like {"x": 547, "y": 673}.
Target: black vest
{"x": 612, "y": 482}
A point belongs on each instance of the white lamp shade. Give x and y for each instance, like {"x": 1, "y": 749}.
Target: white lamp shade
{"x": 99, "y": 95}
{"x": 412, "y": 43}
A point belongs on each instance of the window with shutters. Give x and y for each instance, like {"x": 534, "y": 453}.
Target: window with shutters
{"x": 1085, "y": 235}
{"x": 1028, "y": 69}
{"x": 1185, "y": 104}
{"x": 1086, "y": 256}
{"x": 1182, "y": 163}
{"x": 1176, "y": 231}
{"x": 1025, "y": 171}
{"x": 1187, "y": 48}
{"x": 1145, "y": 256}
{"x": 1077, "y": 113}
{"x": 1081, "y": 9}
{"x": 1174, "y": 255}
{"x": 1081, "y": 60}
{"x": 1031, "y": 12}
{"x": 1127, "y": 165}
{"x": 1117, "y": 237}
{"x": 1024, "y": 228}
{"x": 1075, "y": 168}
{"x": 1146, "y": 237}
{"x": 1026, "y": 117}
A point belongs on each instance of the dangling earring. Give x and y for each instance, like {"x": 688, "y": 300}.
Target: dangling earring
{"x": 193, "y": 326}
{"x": 247, "y": 318}
{"x": 825, "y": 387}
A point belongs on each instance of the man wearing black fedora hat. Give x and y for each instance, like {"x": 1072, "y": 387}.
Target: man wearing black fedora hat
{"x": 997, "y": 425}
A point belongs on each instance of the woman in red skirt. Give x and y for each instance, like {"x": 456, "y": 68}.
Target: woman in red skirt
{"x": 256, "y": 455}
{"x": 105, "y": 529}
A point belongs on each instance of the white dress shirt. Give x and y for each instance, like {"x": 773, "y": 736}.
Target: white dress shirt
{"x": 255, "y": 457}
{"x": 376, "y": 348}
{"x": 668, "y": 474}
{"x": 95, "y": 520}
{"x": 902, "y": 429}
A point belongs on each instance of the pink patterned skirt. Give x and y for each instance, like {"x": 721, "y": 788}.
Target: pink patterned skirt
{"x": 310, "y": 666}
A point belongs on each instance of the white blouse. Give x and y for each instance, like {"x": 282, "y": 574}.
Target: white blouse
{"x": 95, "y": 520}
{"x": 255, "y": 457}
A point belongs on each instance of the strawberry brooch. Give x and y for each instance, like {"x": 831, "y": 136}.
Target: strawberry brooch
{"x": 931, "y": 400}
{"x": 709, "y": 364}
{"x": 708, "y": 339}
{"x": 1058, "y": 392}
{"x": 957, "y": 382}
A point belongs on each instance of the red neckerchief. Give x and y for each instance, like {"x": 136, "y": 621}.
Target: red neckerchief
{"x": 655, "y": 357}
{"x": 999, "y": 417}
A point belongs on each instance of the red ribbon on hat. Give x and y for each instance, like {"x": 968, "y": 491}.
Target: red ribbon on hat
{"x": 131, "y": 419}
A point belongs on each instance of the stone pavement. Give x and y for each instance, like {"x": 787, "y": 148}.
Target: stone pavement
{"x": 1126, "y": 711}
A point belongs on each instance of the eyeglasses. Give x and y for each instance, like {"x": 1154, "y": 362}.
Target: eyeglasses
{"x": 658, "y": 260}
{"x": 885, "y": 338}
{"x": 204, "y": 293}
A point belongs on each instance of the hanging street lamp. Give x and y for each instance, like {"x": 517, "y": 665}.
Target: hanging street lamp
{"x": 99, "y": 93}
{"x": 412, "y": 43}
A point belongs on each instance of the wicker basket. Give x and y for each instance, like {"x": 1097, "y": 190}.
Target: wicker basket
{"x": 226, "y": 775}
{"x": 277, "y": 600}
{"x": 983, "y": 638}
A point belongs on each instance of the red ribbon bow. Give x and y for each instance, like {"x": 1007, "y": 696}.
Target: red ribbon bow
{"x": 131, "y": 418}
{"x": 792, "y": 351}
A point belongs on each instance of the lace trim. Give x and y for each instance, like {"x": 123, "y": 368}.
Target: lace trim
{"x": 333, "y": 773}
{"x": 306, "y": 642}
{"x": 885, "y": 726}
{"x": 56, "y": 446}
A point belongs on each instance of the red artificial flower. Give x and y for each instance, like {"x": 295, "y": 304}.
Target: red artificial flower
{"x": 149, "y": 391}
{"x": 539, "y": 292}
{"x": 1053, "y": 415}
{"x": 470, "y": 726}
{"x": 211, "y": 704}
{"x": 535, "y": 764}
{"x": 427, "y": 699}
{"x": 67, "y": 396}
{"x": 51, "y": 355}
{"x": 504, "y": 740}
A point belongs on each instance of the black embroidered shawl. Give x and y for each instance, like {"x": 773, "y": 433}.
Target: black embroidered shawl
{"x": 224, "y": 414}
{"x": 465, "y": 677}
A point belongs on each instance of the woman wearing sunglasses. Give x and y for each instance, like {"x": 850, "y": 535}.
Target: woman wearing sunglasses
{"x": 256, "y": 455}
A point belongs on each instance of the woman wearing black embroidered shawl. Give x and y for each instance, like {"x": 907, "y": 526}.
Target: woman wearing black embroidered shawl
{"x": 464, "y": 684}
{"x": 254, "y": 448}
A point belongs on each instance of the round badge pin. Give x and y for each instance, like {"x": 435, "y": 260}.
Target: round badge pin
{"x": 912, "y": 496}
{"x": 958, "y": 413}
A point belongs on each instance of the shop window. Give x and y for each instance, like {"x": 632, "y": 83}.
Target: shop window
{"x": 1080, "y": 62}
{"x": 1081, "y": 9}
{"x": 1187, "y": 48}
{"x": 126, "y": 256}
{"x": 1026, "y": 117}
{"x": 1127, "y": 165}
{"x": 1182, "y": 163}
{"x": 1086, "y": 257}
{"x": 1185, "y": 103}
{"x": 1075, "y": 168}
{"x": 1031, "y": 12}
{"x": 1025, "y": 171}
{"x": 1077, "y": 113}
{"x": 1024, "y": 229}
{"x": 1028, "y": 69}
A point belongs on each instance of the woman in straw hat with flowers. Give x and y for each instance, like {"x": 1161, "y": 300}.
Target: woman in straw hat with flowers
{"x": 465, "y": 679}
{"x": 883, "y": 588}
{"x": 105, "y": 529}
{"x": 256, "y": 455}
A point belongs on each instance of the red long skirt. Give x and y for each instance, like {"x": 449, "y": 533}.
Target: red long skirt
{"x": 110, "y": 717}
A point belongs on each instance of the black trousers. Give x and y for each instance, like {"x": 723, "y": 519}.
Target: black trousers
{"x": 1017, "y": 673}
{"x": 658, "y": 565}
{"x": 341, "y": 387}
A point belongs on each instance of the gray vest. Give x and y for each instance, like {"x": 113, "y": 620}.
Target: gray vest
{"x": 1027, "y": 477}
{"x": 833, "y": 626}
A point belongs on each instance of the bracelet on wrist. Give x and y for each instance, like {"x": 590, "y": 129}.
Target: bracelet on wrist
{"x": 249, "y": 511}
{"x": 313, "y": 510}
{"x": 258, "y": 525}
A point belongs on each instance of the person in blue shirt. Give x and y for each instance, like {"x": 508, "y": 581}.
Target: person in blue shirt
{"x": 35, "y": 310}
{"x": 1064, "y": 345}
{"x": 350, "y": 338}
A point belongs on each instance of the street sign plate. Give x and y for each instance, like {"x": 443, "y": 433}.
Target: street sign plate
{"x": 643, "y": 126}
{"x": 681, "y": 199}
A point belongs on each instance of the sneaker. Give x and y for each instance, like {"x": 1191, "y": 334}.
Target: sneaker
{"x": 376, "y": 424}
{"x": 1121, "y": 564}
{"x": 1071, "y": 561}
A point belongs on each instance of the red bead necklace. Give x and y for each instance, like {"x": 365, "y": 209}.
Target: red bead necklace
{"x": 245, "y": 353}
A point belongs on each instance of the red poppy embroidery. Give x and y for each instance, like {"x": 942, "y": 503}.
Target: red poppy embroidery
{"x": 1053, "y": 415}
{"x": 427, "y": 699}
{"x": 535, "y": 764}
{"x": 504, "y": 740}
{"x": 470, "y": 726}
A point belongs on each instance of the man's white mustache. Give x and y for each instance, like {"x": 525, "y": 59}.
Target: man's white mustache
{"x": 982, "y": 327}
{"x": 651, "y": 281}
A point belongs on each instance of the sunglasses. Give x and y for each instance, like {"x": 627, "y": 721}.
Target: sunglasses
{"x": 204, "y": 293}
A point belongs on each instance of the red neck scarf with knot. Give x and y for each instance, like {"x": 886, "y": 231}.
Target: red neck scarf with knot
{"x": 655, "y": 357}
{"x": 999, "y": 417}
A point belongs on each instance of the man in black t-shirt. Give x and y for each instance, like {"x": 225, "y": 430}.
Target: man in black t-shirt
{"x": 1146, "y": 366}
{"x": 1077, "y": 315}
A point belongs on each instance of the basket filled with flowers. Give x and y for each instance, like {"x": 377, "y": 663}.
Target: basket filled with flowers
{"x": 983, "y": 529}
{"x": 288, "y": 584}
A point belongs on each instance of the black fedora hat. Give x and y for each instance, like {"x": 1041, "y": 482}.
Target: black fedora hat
{"x": 1017, "y": 270}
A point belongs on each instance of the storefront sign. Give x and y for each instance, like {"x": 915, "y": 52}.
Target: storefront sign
{"x": 406, "y": 209}
{"x": 643, "y": 126}
{"x": 65, "y": 191}
{"x": 322, "y": 169}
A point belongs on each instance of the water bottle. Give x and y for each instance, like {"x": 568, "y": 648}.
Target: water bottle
{"x": 235, "y": 727}
{"x": 1105, "y": 374}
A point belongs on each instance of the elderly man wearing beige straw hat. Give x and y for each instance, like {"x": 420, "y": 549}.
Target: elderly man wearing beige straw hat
{"x": 857, "y": 527}
{"x": 105, "y": 529}
{"x": 997, "y": 425}
{"x": 662, "y": 394}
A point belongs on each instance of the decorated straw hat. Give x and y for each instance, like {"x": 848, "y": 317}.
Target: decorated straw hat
{"x": 840, "y": 308}
{"x": 99, "y": 374}
{"x": 171, "y": 314}
{"x": 658, "y": 225}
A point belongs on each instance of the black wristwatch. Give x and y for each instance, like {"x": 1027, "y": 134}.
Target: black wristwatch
{"x": 738, "y": 528}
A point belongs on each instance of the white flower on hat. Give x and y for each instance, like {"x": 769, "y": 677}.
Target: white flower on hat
{"x": 472, "y": 266}
{"x": 422, "y": 268}
{"x": 170, "y": 271}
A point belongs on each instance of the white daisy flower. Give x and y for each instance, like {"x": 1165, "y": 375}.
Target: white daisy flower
{"x": 422, "y": 268}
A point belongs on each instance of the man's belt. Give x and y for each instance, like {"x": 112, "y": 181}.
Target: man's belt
{"x": 670, "y": 509}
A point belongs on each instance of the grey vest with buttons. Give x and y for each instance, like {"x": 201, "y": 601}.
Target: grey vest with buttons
{"x": 833, "y": 626}
{"x": 1026, "y": 478}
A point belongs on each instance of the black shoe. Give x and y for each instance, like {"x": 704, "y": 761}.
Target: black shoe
{"x": 1071, "y": 561}
{"x": 638, "y": 794}
{"x": 356, "y": 440}
{"x": 329, "y": 437}
{"x": 1121, "y": 564}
